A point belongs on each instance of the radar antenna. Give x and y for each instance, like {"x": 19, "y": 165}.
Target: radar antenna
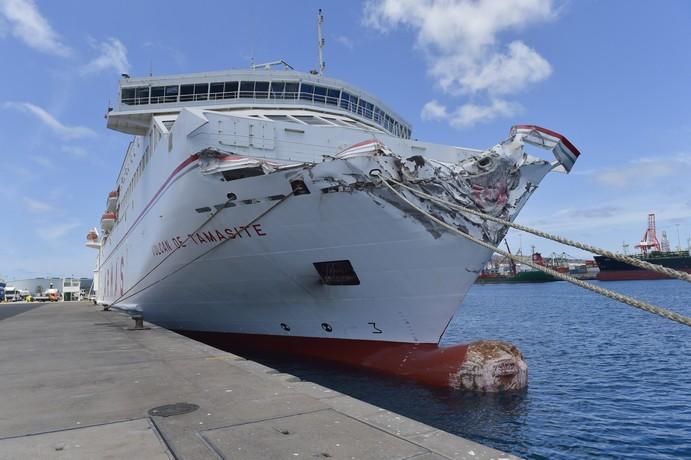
{"x": 320, "y": 42}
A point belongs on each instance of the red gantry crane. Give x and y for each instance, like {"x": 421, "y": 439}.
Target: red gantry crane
{"x": 649, "y": 240}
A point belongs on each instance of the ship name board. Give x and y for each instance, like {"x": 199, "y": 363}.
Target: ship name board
{"x": 206, "y": 237}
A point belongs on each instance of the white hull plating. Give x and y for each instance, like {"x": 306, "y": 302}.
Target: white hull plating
{"x": 196, "y": 249}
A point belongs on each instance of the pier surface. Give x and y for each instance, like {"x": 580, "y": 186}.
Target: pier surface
{"x": 77, "y": 383}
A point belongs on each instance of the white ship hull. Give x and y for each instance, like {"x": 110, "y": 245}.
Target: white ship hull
{"x": 237, "y": 223}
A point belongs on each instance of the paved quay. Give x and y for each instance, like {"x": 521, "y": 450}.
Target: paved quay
{"x": 77, "y": 383}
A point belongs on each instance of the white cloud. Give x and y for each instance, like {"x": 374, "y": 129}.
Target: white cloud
{"x": 433, "y": 110}
{"x": 644, "y": 171}
{"x": 74, "y": 151}
{"x": 28, "y": 25}
{"x": 54, "y": 232}
{"x": 470, "y": 114}
{"x": 464, "y": 56}
{"x": 345, "y": 41}
{"x": 64, "y": 131}
{"x": 36, "y": 206}
{"x": 43, "y": 161}
{"x": 113, "y": 55}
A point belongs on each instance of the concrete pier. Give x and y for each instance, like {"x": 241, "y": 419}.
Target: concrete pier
{"x": 78, "y": 383}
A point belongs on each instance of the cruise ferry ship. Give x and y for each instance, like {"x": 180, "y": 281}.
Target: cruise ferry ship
{"x": 251, "y": 210}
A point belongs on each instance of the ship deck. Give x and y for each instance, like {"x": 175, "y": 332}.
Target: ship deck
{"x": 78, "y": 383}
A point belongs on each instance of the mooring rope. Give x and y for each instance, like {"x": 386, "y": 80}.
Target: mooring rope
{"x": 660, "y": 311}
{"x": 586, "y": 247}
{"x": 126, "y": 294}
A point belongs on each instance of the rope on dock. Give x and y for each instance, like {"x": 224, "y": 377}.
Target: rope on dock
{"x": 650, "y": 308}
{"x": 586, "y": 247}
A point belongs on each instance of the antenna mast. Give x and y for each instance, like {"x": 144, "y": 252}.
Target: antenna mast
{"x": 320, "y": 20}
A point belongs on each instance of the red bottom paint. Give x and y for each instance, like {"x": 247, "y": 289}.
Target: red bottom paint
{"x": 425, "y": 363}
{"x": 633, "y": 275}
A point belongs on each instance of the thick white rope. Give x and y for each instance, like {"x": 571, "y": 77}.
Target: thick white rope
{"x": 586, "y": 247}
{"x": 665, "y": 313}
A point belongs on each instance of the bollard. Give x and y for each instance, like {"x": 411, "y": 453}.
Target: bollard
{"x": 138, "y": 323}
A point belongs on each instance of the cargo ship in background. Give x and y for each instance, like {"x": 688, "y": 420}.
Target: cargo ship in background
{"x": 508, "y": 271}
{"x": 652, "y": 251}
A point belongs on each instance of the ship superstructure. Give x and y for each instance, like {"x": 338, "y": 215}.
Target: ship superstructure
{"x": 250, "y": 205}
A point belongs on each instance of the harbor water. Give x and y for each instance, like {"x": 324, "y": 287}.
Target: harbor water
{"x": 605, "y": 380}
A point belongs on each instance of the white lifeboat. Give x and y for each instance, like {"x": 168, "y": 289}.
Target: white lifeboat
{"x": 107, "y": 221}
{"x": 92, "y": 239}
{"x": 112, "y": 201}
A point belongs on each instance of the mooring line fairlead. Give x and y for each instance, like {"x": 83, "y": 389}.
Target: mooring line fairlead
{"x": 650, "y": 308}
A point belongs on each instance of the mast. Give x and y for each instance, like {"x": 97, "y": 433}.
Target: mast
{"x": 320, "y": 43}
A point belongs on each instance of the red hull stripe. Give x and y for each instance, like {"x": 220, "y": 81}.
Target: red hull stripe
{"x": 632, "y": 275}
{"x": 189, "y": 160}
{"x": 561, "y": 137}
{"x": 426, "y": 363}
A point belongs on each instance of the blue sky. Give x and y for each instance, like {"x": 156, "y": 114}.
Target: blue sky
{"x": 612, "y": 76}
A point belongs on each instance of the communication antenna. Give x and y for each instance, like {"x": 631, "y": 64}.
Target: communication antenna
{"x": 320, "y": 20}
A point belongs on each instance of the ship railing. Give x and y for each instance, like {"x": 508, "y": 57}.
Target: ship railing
{"x": 352, "y": 104}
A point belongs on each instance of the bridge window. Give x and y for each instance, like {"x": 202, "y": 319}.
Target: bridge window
{"x": 216, "y": 90}
{"x": 186, "y": 93}
{"x": 332, "y": 96}
{"x": 127, "y": 96}
{"x": 247, "y": 89}
{"x": 157, "y": 94}
{"x": 307, "y": 92}
{"x": 319, "y": 94}
{"x": 142, "y": 95}
{"x": 261, "y": 89}
{"x": 230, "y": 90}
{"x": 201, "y": 91}
{"x": 172, "y": 93}
{"x": 291, "y": 90}
{"x": 277, "y": 88}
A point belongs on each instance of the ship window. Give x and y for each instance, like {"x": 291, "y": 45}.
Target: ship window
{"x": 142, "y": 95}
{"x": 337, "y": 273}
{"x": 171, "y": 93}
{"x": 335, "y": 121}
{"x": 369, "y": 108}
{"x": 157, "y": 94}
{"x": 235, "y": 174}
{"x": 216, "y": 90}
{"x": 230, "y": 90}
{"x": 280, "y": 118}
{"x": 128, "y": 96}
{"x": 354, "y": 103}
{"x": 345, "y": 100}
{"x": 306, "y": 92}
{"x": 291, "y": 90}
{"x": 277, "y": 88}
{"x": 201, "y": 91}
{"x": 186, "y": 93}
{"x": 319, "y": 94}
{"x": 247, "y": 89}
{"x": 332, "y": 96}
{"x": 310, "y": 120}
{"x": 168, "y": 124}
{"x": 261, "y": 89}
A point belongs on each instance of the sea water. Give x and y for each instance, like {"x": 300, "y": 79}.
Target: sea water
{"x": 605, "y": 380}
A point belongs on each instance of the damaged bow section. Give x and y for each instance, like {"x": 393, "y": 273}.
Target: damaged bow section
{"x": 497, "y": 181}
